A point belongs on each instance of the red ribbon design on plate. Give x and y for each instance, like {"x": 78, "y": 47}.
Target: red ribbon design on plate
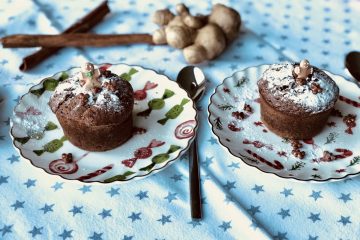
{"x": 141, "y": 94}
{"x": 349, "y": 101}
{"x": 142, "y": 153}
{"x": 96, "y": 173}
{"x": 277, "y": 165}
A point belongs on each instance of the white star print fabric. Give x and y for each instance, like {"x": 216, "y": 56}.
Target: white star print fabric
{"x": 239, "y": 201}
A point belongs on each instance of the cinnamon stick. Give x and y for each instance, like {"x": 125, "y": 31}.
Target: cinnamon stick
{"x": 83, "y": 25}
{"x": 74, "y": 40}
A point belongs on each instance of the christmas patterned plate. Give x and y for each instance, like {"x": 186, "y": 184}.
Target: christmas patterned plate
{"x": 165, "y": 122}
{"x": 240, "y": 130}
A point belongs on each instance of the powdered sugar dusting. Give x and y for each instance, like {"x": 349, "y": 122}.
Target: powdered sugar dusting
{"x": 281, "y": 83}
{"x": 104, "y": 99}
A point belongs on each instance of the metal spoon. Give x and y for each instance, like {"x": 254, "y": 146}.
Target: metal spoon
{"x": 352, "y": 63}
{"x": 192, "y": 79}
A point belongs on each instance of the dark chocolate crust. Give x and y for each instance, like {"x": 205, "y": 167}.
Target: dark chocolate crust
{"x": 291, "y": 110}
{"x": 291, "y": 126}
{"x": 90, "y": 125}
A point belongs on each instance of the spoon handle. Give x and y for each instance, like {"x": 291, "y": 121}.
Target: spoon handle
{"x": 195, "y": 196}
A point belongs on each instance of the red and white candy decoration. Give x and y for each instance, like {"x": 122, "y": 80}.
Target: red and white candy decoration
{"x": 142, "y": 153}
{"x": 65, "y": 165}
{"x": 141, "y": 94}
{"x": 185, "y": 129}
{"x": 96, "y": 173}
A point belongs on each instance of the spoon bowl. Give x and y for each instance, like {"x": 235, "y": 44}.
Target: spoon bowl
{"x": 352, "y": 63}
{"x": 192, "y": 80}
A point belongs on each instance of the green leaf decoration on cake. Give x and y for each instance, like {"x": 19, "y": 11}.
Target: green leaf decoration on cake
{"x": 52, "y": 146}
{"x": 354, "y": 161}
{"x": 50, "y": 126}
{"x": 297, "y": 165}
{"x": 63, "y": 76}
{"x": 22, "y": 140}
{"x": 160, "y": 158}
{"x": 120, "y": 177}
{"x": 174, "y": 112}
{"x": 156, "y": 103}
{"x": 127, "y": 76}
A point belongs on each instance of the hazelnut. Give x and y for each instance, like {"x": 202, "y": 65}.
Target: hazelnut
{"x": 300, "y": 81}
{"x": 247, "y": 108}
{"x": 315, "y": 88}
{"x": 349, "y": 120}
{"x": 299, "y": 154}
{"x": 296, "y": 144}
{"x": 238, "y": 115}
{"x": 67, "y": 157}
{"x": 328, "y": 156}
{"x": 95, "y": 90}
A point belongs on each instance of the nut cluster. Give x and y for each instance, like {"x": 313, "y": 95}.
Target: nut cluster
{"x": 95, "y": 90}
{"x": 350, "y": 120}
{"x": 300, "y": 81}
{"x": 238, "y": 115}
{"x": 315, "y": 88}
{"x": 84, "y": 98}
{"x": 67, "y": 157}
{"x": 111, "y": 86}
{"x": 107, "y": 73}
{"x": 296, "y": 144}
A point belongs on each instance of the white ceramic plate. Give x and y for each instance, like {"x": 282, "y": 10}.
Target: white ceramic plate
{"x": 249, "y": 139}
{"x": 161, "y": 135}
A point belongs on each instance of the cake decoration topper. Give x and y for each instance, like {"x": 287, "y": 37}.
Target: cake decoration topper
{"x": 89, "y": 76}
{"x": 302, "y": 71}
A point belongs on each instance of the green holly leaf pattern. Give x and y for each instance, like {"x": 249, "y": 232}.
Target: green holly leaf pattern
{"x": 38, "y": 152}
{"x": 127, "y": 76}
{"x": 51, "y": 146}
{"x": 160, "y": 158}
{"x": 167, "y": 94}
{"x": 50, "y": 126}
{"x": 148, "y": 167}
{"x": 63, "y": 76}
{"x": 38, "y": 92}
{"x": 22, "y": 140}
{"x": 297, "y": 165}
{"x": 174, "y": 112}
{"x": 50, "y": 84}
{"x": 120, "y": 177}
{"x": 354, "y": 161}
{"x": 156, "y": 103}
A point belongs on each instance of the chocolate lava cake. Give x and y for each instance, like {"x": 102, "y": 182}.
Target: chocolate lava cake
{"x": 296, "y": 99}
{"x": 94, "y": 109}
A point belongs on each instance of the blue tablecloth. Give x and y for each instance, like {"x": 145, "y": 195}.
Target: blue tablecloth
{"x": 239, "y": 201}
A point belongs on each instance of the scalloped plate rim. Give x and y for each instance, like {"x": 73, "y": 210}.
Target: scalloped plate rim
{"x": 137, "y": 177}
{"x": 293, "y": 178}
